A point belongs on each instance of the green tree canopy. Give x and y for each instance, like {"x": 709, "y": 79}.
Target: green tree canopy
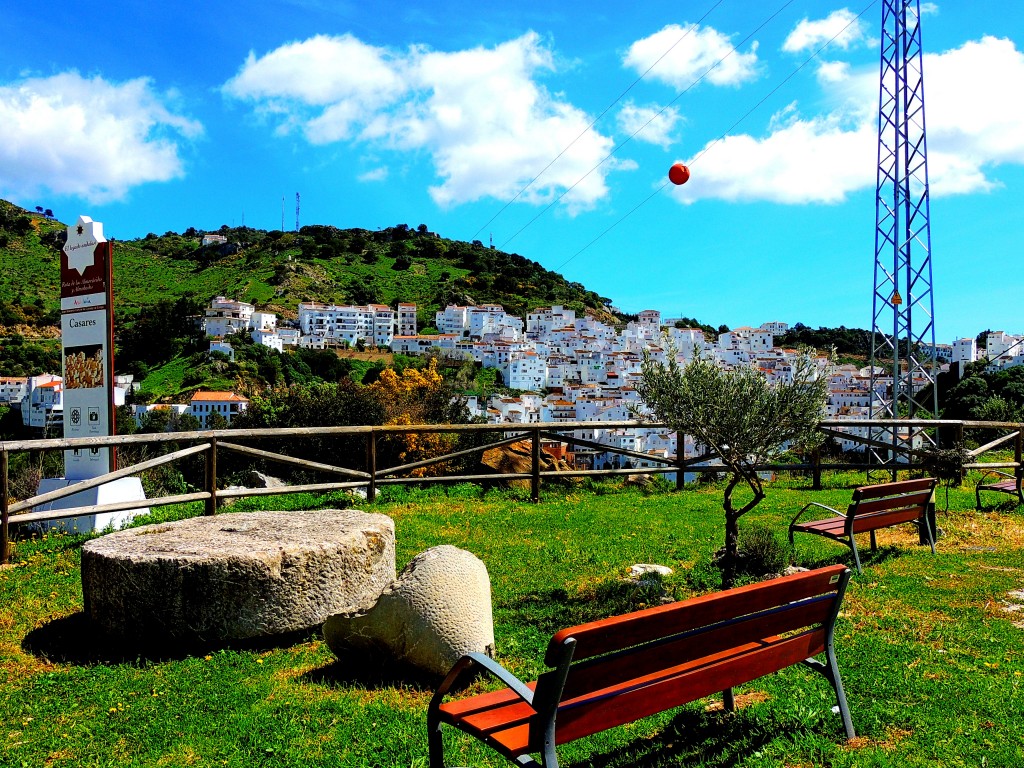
{"x": 740, "y": 416}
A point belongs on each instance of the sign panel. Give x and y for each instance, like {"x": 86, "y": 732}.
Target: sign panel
{"x": 87, "y": 340}
{"x": 85, "y": 267}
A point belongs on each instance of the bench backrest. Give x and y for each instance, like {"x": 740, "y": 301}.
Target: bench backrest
{"x": 888, "y": 504}
{"x": 651, "y": 660}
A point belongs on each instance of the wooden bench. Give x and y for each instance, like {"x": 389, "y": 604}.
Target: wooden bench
{"x": 611, "y": 672}
{"x": 1009, "y": 484}
{"x": 873, "y": 507}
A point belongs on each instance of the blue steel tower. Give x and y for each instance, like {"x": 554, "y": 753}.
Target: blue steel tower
{"x": 903, "y": 338}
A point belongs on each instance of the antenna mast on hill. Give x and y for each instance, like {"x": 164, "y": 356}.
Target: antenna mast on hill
{"x": 296, "y": 211}
{"x": 282, "y": 213}
{"x": 903, "y": 308}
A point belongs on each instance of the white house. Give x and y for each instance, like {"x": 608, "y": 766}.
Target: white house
{"x": 43, "y": 402}
{"x": 204, "y": 404}
{"x": 1001, "y": 348}
{"x": 223, "y": 347}
{"x": 140, "y": 411}
{"x": 268, "y": 339}
{"x": 406, "y": 320}
{"x": 227, "y": 316}
{"x": 964, "y": 351}
{"x": 775, "y": 328}
{"x": 13, "y": 389}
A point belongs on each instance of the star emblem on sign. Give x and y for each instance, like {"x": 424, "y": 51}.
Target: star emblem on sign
{"x": 81, "y": 243}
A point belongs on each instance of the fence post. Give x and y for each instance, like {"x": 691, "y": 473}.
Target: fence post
{"x": 371, "y": 465}
{"x": 816, "y": 470}
{"x": 535, "y": 467}
{"x": 960, "y": 443}
{"x": 211, "y": 478}
{"x": 5, "y": 539}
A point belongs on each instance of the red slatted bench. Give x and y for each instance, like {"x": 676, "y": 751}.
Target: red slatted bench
{"x": 873, "y": 507}
{"x": 1009, "y": 484}
{"x": 611, "y": 672}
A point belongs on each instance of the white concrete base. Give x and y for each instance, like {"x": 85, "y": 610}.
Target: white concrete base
{"x": 123, "y": 489}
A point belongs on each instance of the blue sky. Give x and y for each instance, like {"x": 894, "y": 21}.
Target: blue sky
{"x": 152, "y": 117}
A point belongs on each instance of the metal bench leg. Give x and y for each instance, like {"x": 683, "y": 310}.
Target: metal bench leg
{"x": 874, "y": 544}
{"x": 926, "y": 525}
{"x": 856, "y": 556}
{"x": 831, "y": 673}
{"x": 435, "y": 746}
{"x": 728, "y": 700}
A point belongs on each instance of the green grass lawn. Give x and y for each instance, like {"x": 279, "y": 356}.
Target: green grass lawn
{"x": 931, "y": 660}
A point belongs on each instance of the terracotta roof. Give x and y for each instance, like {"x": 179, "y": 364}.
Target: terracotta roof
{"x": 219, "y": 397}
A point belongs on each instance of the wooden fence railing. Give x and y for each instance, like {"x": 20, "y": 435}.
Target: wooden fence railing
{"x": 212, "y": 444}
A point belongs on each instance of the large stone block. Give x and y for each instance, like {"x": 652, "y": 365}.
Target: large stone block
{"x": 236, "y": 576}
{"x": 438, "y": 610}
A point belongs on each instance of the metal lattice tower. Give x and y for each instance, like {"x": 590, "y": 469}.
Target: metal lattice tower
{"x": 903, "y": 339}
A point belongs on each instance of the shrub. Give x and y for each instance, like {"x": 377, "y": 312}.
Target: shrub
{"x": 762, "y": 551}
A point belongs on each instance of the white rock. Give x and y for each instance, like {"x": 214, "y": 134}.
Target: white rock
{"x": 640, "y": 570}
{"x": 437, "y": 610}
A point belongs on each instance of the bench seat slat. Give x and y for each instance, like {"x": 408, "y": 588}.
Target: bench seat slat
{"x": 1006, "y": 486}
{"x": 629, "y": 664}
{"x": 482, "y": 702}
{"x": 833, "y": 525}
{"x": 599, "y": 637}
{"x": 683, "y": 684}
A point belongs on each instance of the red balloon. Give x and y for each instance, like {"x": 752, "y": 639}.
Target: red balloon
{"x": 678, "y": 174}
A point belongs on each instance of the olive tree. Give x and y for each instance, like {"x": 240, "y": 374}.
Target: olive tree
{"x": 740, "y": 416}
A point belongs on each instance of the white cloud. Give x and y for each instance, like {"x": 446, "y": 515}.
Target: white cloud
{"x": 929, "y": 8}
{"x": 972, "y": 128}
{"x": 969, "y": 112}
{"x": 804, "y": 161}
{"x": 70, "y": 135}
{"x": 833, "y": 71}
{"x": 843, "y": 25}
{"x": 376, "y": 174}
{"x": 651, "y": 124}
{"x": 481, "y": 114}
{"x": 690, "y": 56}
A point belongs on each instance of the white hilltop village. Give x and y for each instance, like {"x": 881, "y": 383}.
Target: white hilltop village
{"x": 567, "y": 368}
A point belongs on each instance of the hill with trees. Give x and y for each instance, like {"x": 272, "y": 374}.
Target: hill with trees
{"x": 276, "y": 270}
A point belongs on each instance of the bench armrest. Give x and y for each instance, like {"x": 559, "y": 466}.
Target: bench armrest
{"x": 492, "y": 667}
{"x": 813, "y": 504}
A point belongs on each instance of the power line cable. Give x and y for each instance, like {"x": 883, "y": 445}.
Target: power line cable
{"x": 721, "y": 136}
{"x": 654, "y": 117}
{"x": 598, "y": 118}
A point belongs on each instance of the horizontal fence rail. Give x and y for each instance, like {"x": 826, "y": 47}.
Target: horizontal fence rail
{"x": 212, "y": 444}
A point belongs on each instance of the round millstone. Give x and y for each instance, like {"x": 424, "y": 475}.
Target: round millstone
{"x": 236, "y": 576}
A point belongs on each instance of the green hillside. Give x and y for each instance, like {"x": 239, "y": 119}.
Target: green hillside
{"x": 276, "y": 270}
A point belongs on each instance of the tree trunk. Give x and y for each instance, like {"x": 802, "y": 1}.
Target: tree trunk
{"x": 730, "y": 563}
{"x": 732, "y": 537}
